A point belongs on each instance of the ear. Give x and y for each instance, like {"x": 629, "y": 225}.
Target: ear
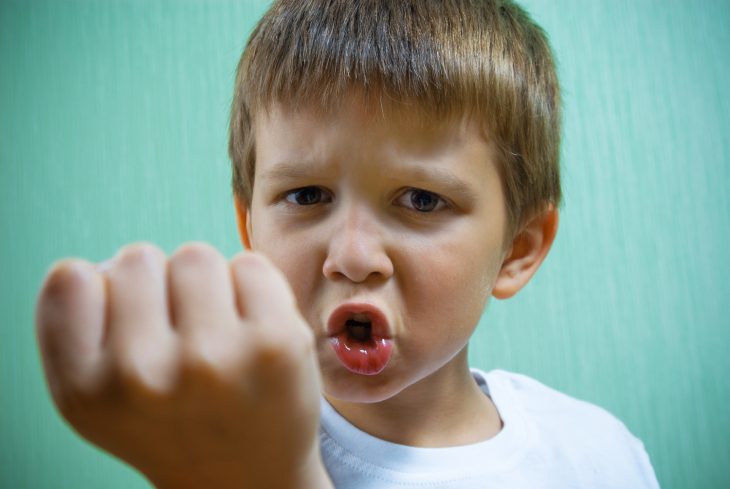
{"x": 243, "y": 221}
{"x": 529, "y": 248}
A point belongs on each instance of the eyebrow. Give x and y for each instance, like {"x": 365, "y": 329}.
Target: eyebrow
{"x": 444, "y": 178}
{"x": 289, "y": 170}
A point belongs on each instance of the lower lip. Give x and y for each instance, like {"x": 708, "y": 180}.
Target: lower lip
{"x": 362, "y": 357}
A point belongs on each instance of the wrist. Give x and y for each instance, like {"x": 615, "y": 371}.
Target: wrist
{"x": 314, "y": 475}
{"x": 310, "y": 475}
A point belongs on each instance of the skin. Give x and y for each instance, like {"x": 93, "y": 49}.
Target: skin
{"x": 203, "y": 372}
{"x": 173, "y": 366}
{"x": 429, "y": 270}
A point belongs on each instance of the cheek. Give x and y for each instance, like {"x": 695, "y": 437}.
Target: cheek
{"x": 452, "y": 289}
{"x": 299, "y": 271}
{"x": 294, "y": 261}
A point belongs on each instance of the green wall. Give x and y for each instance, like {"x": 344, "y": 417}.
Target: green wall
{"x": 113, "y": 119}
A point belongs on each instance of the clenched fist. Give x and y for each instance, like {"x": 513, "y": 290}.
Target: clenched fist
{"x": 196, "y": 371}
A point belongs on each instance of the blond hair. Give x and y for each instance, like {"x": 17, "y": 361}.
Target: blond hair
{"x": 485, "y": 58}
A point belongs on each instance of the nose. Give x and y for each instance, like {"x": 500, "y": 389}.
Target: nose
{"x": 357, "y": 249}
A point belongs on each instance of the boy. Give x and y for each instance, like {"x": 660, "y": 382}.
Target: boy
{"x": 397, "y": 163}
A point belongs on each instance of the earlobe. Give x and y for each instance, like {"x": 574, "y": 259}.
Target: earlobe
{"x": 244, "y": 222}
{"x": 529, "y": 248}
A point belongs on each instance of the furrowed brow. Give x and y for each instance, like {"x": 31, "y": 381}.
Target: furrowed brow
{"x": 288, "y": 170}
{"x": 444, "y": 179}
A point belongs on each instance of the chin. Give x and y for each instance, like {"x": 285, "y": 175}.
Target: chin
{"x": 340, "y": 384}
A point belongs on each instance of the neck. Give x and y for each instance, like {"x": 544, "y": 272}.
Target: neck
{"x": 446, "y": 408}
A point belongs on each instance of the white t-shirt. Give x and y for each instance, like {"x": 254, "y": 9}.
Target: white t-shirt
{"x": 549, "y": 440}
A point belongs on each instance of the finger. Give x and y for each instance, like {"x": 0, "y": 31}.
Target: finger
{"x": 281, "y": 344}
{"x": 138, "y": 305}
{"x": 201, "y": 293}
{"x": 70, "y": 317}
{"x": 263, "y": 293}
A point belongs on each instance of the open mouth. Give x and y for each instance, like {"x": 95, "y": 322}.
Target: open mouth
{"x": 359, "y": 329}
{"x": 359, "y": 335}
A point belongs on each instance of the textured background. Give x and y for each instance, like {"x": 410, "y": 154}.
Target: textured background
{"x": 113, "y": 123}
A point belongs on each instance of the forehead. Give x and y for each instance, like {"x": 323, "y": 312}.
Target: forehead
{"x": 370, "y": 124}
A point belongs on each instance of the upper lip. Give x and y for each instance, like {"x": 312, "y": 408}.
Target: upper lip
{"x": 379, "y": 326}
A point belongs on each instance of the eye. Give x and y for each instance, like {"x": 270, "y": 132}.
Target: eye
{"x": 306, "y": 196}
{"x": 421, "y": 200}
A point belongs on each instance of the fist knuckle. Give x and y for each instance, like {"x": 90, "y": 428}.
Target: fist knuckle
{"x": 254, "y": 269}
{"x": 196, "y": 253}
{"x": 248, "y": 263}
{"x": 67, "y": 285}
{"x": 66, "y": 275}
{"x": 142, "y": 254}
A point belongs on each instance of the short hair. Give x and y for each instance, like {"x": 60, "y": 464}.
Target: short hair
{"x": 482, "y": 58}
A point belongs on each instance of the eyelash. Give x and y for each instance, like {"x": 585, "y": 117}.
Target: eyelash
{"x": 291, "y": 196}
{"x": 439, "y": 205}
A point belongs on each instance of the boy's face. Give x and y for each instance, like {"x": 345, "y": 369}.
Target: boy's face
{"x": 405, "y": 216}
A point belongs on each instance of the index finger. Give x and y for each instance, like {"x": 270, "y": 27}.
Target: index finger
{"x": 70, "y": 318}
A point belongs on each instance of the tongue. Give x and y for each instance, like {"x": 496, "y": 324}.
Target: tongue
{"x": 364, "y": 357}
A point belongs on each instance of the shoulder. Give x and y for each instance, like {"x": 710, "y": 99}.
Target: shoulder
{"x": 556, "y": 413}
{"x": 543, "y": 401}
{"x": 579, "y": 433}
